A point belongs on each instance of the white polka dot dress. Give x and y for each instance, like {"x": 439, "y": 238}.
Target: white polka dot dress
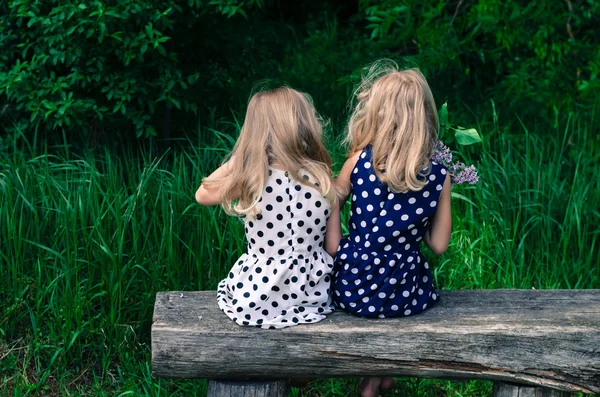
{"x": 379, "y": 269}
{"x": 284, "y": 277}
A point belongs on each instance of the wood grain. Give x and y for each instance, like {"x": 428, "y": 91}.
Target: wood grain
{"x": 218, "y": 388}
{"x": 502, "y": 389}
{"x": 548, "y": 338}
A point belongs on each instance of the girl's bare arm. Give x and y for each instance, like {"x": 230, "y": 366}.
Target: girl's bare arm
{"x": 437, "y": 236}
{"x": 342, "y": 182}
{"x": 342, "y": 185}
{"x": 211, "y": 195}
{"x": 333, "y": 235}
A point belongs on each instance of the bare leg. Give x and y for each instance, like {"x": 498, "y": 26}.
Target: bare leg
{"x": 369, "y": 386}
{"x": 372, "y": 386}
{"x": 387, "y": 384}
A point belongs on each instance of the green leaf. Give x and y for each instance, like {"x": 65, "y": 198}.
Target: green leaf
{"x": 62, "y": 109}
{"x": 444, "y": 114}
{"x": 48, "y": 105}
{"x": 242, "y": 13}
{"x": 466, "y": 136}
{"x": 461, "y": 197}
{"x": 170, "y": 85}
{"x": 150, "y": 131}
{"x": 375, "y": 33}
{"x": 143, "y": 48}
{"x": 149, "y": 31}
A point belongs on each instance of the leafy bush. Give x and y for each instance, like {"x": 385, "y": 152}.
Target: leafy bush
{"x": 545, "y": 52}
{"x": 65, "y": 63}
{"x": 87, "y": 65}
{"x": 326, "y": 63}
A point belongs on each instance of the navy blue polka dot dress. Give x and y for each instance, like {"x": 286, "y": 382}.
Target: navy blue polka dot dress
{"x": 379, "y": 269}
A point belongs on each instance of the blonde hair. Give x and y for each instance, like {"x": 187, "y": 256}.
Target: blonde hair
{"x": 396, "y": 114}
{"x": 281, "y": 127}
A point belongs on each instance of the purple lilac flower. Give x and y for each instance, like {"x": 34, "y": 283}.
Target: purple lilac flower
{"x": 442, "y": 154}
{"x": 459, "y": 172}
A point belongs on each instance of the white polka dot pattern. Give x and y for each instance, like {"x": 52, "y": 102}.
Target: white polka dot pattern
{"x": 380, "y": 271}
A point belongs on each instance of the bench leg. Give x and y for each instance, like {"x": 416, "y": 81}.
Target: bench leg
{"x": 247, "y": 388}
{"x": 502, "y": 389}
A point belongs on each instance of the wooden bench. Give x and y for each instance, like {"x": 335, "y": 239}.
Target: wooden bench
{"x": 531, "y": 342}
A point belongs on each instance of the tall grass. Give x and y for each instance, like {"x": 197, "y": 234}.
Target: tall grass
{"x": 87, "y": 241}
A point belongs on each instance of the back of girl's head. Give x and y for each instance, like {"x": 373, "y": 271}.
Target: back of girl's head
{"x": 281, "y": 128}
{"x": 395, "y": 112}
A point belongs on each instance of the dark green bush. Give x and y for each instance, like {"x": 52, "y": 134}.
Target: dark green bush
{"x": 86, "y": 65}
{"x": 123, "y": 65}
{"x": 537, "y": 51}
{"x": 66, "y": 63}
{"x": 69, "y": 63}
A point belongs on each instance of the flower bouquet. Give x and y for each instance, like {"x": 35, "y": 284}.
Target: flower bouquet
{"x": 459, "y": 172}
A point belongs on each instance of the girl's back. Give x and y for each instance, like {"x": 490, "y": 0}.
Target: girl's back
{"x": 284, "y": 277}
{"x": 381, "y": 271}
{"x": 304, "y": 210}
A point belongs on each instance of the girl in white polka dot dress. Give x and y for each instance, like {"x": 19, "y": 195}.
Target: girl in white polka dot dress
{"x": 279, "y": 179}
{"x": 399, "y": 199}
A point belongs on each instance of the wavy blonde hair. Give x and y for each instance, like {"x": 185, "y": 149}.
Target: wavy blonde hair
{"x": 395, "y": 112}
{"x": 281, "y": 128}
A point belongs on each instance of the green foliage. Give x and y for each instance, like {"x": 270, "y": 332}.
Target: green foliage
{"x": 129, "y": 65}
{"x": 230, "y": 8}
{"x": 88, "y": 241}
{"x": 66, "y": 63}
{"x": 463, "y": 136}
{"x": 324, "y": 62}
{"x": 543, "y": 52}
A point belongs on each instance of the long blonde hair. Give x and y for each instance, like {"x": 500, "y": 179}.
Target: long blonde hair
{"x": 281, "y": 127}
{"x": 395, "y": 113}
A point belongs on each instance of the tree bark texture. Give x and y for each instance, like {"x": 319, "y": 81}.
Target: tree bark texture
{"x": 275, "y": 388}
{"x": 548, "y": 338}
{"x": 502, "y": 389}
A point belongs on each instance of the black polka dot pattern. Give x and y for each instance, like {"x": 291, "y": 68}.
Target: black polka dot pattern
{"x": 284, "y": 277}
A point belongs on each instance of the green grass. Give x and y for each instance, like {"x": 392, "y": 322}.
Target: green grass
{"x": 88, "y": 240}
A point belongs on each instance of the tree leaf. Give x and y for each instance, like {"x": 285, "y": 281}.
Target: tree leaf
{"x": 466, "y": 136}
{"x": 150, "y": 131}
{"x": 176, "y": 103}
{"x": 444, "y": 114}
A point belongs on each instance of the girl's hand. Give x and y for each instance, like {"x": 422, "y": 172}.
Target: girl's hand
{"x": 437, "y": 236}
{"x": 206, "y": 195}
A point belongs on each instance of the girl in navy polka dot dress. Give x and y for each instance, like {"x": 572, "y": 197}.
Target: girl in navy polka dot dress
{"x": 399, "y": 199}
{"x": 279, "y": 179}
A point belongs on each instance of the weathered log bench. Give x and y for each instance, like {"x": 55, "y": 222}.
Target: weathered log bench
{"x": 532, "y": 343}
